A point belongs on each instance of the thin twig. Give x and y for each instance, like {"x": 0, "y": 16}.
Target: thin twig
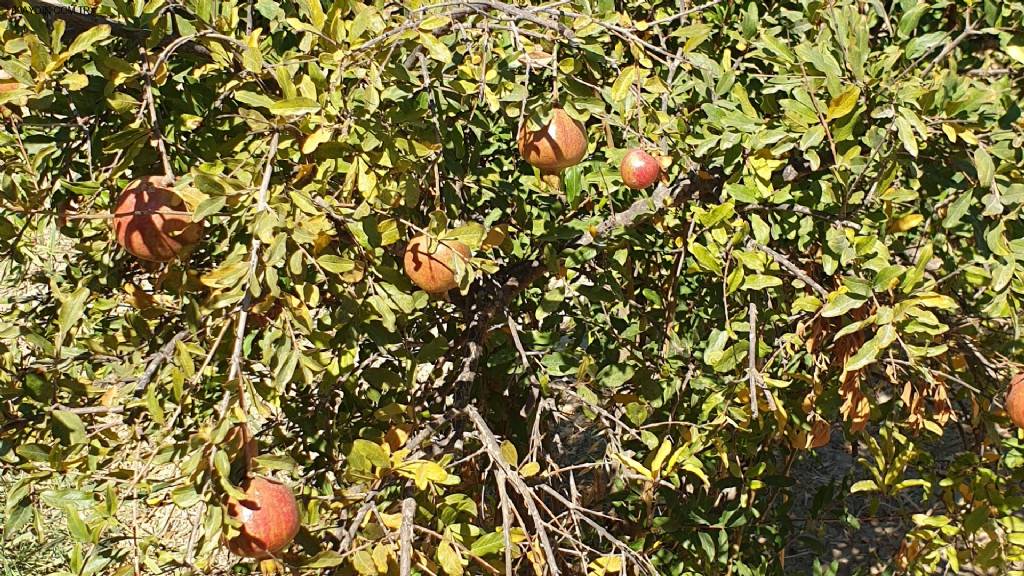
{"x": 157, "y": 360}
{"x": 254, "y": 249}
{"x": 154, "y": 121}
{"x": 781, "y": 260}
{"x": 506, "y": 520}
{"x": 752, "y": 357}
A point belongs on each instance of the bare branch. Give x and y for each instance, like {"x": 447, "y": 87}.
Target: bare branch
{"x": 601, "y": 531}
{"x": 506, "y": 520}
{"x": 791, "y": 268}
{"x": 405, "y": 536}
{"x": 156, "y": 361}
{"x": 752, "y": 357}
{"x": 254, "y": 251}
{"x": 494, "y": 451}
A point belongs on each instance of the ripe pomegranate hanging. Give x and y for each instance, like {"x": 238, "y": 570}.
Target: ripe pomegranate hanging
{"x": 430, "y": 264}
{"x": 561, "y": 143}
{"x": 639, "y": 169}
{"x": 1015, "y": 400}
{"x": 150, "y": 223}
{"x": 269, "y": 517}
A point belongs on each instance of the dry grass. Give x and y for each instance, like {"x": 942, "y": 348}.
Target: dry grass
{"x": 25, "y": 553}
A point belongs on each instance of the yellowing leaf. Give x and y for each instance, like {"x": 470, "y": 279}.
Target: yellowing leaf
{"x": 434, "y": 22}
{"x": 423, "y": 472}
{"x": 509, "y": 454}
{"x": 636, "y": 466}
{"x": 622, "y": 84}
{"x": 905, "y": 223}
{"x": 844, "y": 103}
{"x": 314, "y": 140}
{"x": 529, "y": 469}
{"x": 294, "y": 107}
{"x": 1015, "y": 52}
{"x": 438, "y": 51}
{"x": 87, "y": 39}
{"x": 605, "y": 565}
{"x": 659, "y": 457}
{"x": 449, "y": 558}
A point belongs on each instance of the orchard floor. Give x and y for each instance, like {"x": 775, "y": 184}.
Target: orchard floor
{"x": 867, "y": 549}
{"x": 871, "y": 547}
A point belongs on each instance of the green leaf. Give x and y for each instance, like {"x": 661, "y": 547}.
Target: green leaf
{"x": 958, "y": 209}
{"x": 365, "y": 454}
{"x": 253, "y": 99}
{"x": 325, "y": 559}
{"x": 840, "y": 303}
{"x": 623, "y": 84}
{"x": 985, "y": 167}
{"x": 78, "y": 528}
{"x": 71, "y": 310}
{"x": 906, "y": 134}
{"x": 88, "y": 39}
{"x": 68, "y": 498}
{"x": 209, "y": 207}
{"x": 490, "y": 543}
{"x": 867, "y": 353}
{"x": 760, "y": 282}
{"x": 294, "y": 107}
{"x": 705, "y": 258}
{"x": 185, "y": 497}
{"x": 69, "y": 427}
{"x": 336, "y": 264}
{"x": 614, "y": 375}
{"x": 910, "y": 18}
{"x": 715, "y": 347}
{"x": 471, "y": 234}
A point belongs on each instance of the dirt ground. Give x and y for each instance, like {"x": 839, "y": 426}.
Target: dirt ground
{"x": 870, "y": 548}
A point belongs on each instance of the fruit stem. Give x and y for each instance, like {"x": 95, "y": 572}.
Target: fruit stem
{"x": 154, "y": 121}
{"x": 552, "y": 178}
{"x": 554, "y": 75}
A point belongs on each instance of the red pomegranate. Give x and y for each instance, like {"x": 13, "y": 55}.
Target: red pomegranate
{"x": 149, "y": 223}
{"x": 430, "y": 263}
{"x": 1015, "y": 400}
{"x": 269, "y": 517}
{"x": 639, "y": 169}
{"x": 558, "y": 145}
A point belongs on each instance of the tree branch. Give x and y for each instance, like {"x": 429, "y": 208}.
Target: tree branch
{"x": 254, "y": 251}
{"x": 405, "y": 536}
{"x": 77, "y": 22}
{"x": 156, "y": 361}
{"x": 494, "y": 451}
{"x": 781, "y": 260}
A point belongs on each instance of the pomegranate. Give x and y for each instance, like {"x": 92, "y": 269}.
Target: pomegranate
{"x": 430, "y": 264}
{"x": 1015, "y": 400}
{"x": 639, "y": 169}
{"x": 558, "y": 145}
{"x": 269, "y": 517}
{"x": 149, "y": 224}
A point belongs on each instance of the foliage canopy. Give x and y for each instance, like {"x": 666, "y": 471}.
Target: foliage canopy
{"x": 839, "y": 236}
